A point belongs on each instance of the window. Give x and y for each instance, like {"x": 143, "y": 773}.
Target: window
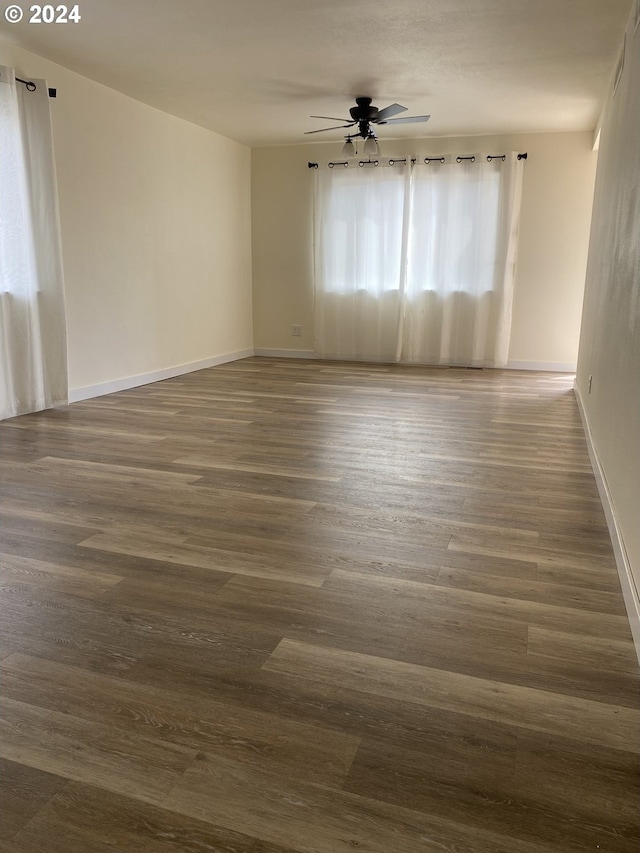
{"x": 416, "y": 263}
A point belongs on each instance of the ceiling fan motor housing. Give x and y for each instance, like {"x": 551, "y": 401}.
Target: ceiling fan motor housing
{"x": 363, "y": 111}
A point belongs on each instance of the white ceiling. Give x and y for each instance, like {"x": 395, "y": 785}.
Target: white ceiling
{"x": 254, "y": 70}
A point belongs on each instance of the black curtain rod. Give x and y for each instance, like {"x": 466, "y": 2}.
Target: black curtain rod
{"x": 31, "y": 87}
{"x": 427, "y": 160}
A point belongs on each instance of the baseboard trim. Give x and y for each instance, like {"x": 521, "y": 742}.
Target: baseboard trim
{"x": 629, "y": 589}
{"x": 284, "y": 353}
{"x": 545, "y": 366}
{"x": 127, "y": 382}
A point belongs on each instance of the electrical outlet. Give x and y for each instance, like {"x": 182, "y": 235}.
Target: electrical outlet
{"x": 296, "y": 331}
{"x": 590, "y": 381}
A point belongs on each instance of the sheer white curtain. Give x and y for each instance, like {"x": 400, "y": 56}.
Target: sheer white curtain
{"x": 462, "y": 242}
{"x": 360, "y": 260}
{"x": 33, "y": 348}
{"x": 416, "y": 264}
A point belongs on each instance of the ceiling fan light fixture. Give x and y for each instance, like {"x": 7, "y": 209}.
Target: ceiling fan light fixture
{"x": 348, "y": 149}
{"x": 370, "y": 146}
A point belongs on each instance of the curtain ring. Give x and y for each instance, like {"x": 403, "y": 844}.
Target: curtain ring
{"x": 29, "y": 85}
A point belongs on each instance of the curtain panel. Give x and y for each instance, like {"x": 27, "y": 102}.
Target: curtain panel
{"x": 416, "y": 263}
{"x": 33, "y": 345}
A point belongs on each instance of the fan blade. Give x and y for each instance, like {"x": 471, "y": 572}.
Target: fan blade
{"x": 330, "y": 118}
{"x": 405, "y": 120}
{"x": 387, "y": 112}
{"x": 337, "y": 127}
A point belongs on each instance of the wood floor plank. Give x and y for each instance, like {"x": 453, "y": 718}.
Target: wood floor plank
{"x": 609, "y": 725}
{"x": 198, "y": 554}
{"x": 119, "y": 473}
{"x": 271, "y": 470}
{"x": 451, "y": 643}
{"x": 517, "y": 802}
{"x": 601, "y": 801}
{"x": 545, "y": 553}
{"x": 191, "y": 510}
{"x": 73, "y": 748}
{"x": 41, "y": 529}
{"x": 559, "y": 595}
{"x": 115, "y": 637}
{"x": 315, "y": 819}
{"x": 471, "y": 602}
{"x": 600, "y": 653}
{"x": 23, "y": 792}
{"x": 225, "y": 729}
{"x": 39, "y": 573}
{"x": 85, "y": 819}
{"x": 322, "y": 616}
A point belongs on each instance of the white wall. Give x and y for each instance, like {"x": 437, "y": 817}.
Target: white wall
{"x": 556, "y": 211}
{"x": 610, "y": 340}
{"x": 156, "y": 231}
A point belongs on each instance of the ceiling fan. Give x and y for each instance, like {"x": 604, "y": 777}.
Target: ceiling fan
{"x": 364, "y": 115}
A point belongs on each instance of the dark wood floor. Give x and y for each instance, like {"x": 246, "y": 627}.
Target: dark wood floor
{"x": 283, "y": 606}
